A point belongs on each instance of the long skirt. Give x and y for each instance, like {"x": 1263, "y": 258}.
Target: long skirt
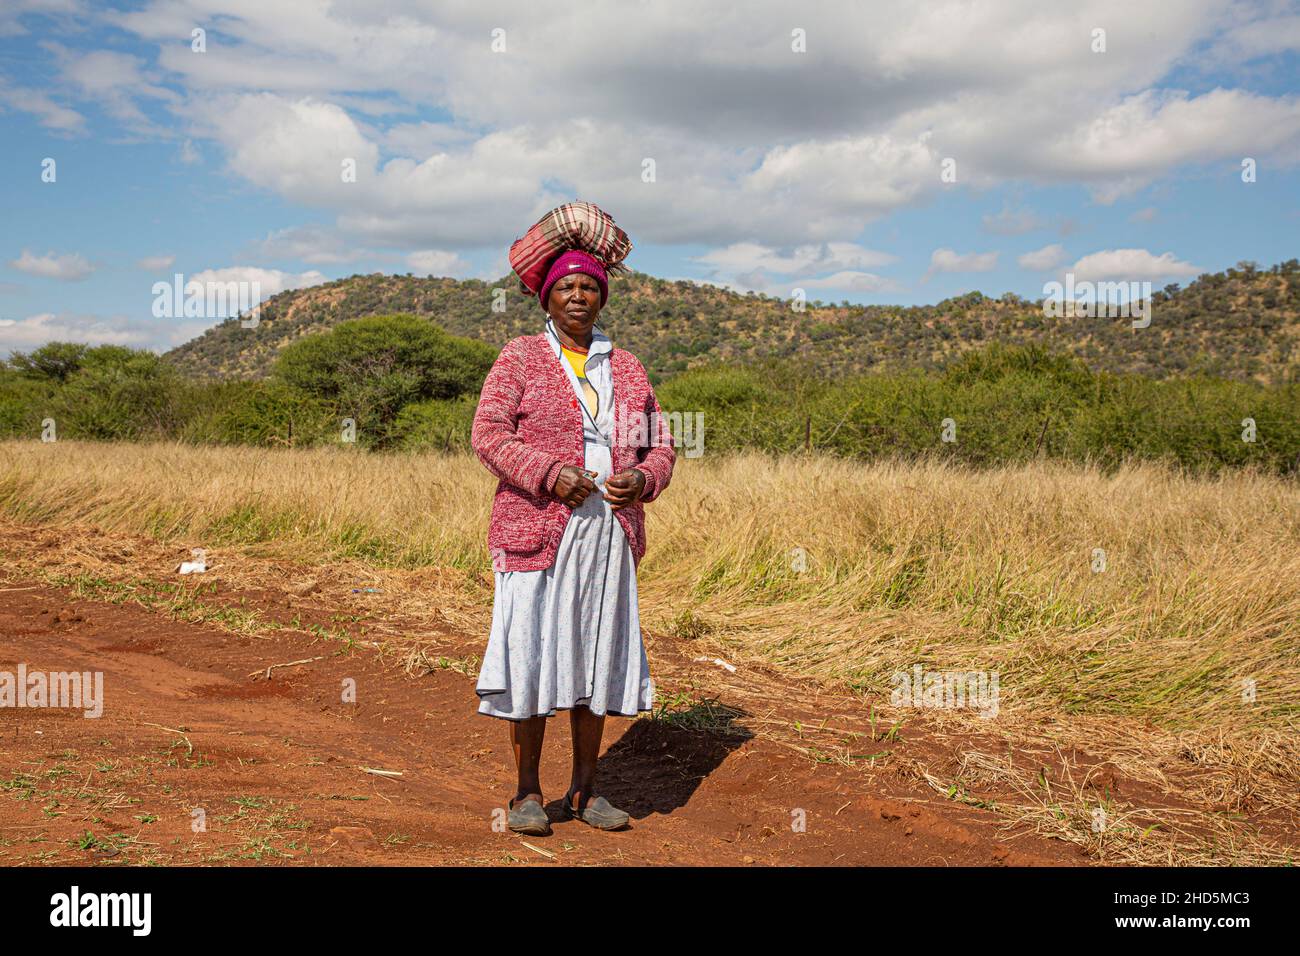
{"x": 570, "y": 634}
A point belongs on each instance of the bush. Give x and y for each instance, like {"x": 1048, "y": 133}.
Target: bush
{"x": 442, "y": 424}
{"x": 117, "y": 393}
{"x": 369, "y": 369}
{"x": 1008, "y": 404}
{"x": 256, "y": 413}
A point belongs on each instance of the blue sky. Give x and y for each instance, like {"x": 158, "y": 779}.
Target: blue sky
{"x": 792, "y": 147}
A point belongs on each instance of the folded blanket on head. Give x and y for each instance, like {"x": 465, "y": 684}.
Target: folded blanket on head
{"x": 575, "y": 225}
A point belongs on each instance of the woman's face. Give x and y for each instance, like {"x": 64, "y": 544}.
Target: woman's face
{"x": 574, "y": 304}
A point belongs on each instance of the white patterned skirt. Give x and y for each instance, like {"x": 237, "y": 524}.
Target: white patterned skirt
{"x": 570, "y": 634}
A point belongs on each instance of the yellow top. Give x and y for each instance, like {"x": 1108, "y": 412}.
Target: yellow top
{"x": 578, "y": 359}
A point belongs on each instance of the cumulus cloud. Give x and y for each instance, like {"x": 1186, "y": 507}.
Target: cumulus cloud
{"x": 48, "y": 112}
{"x": 946, "y": 260}
{"x": 1013, "y": 222}
{"x": 36, "y": 330}
{"x": 13, "y": 11}
{"x": 314, "y": 244}
{"x": 67, "y": 268}
{"x": 1128, "y": 265}
{"x": 436, "y": 262}
{"x": 752, "y": 266}
{"x": 1248, "y": 41}
{"x": 155, "y": 263}
{"x": 424, "y": 138}
{"x": 270, "y": 281}
{"x": 1128, "y": 145}
{"x": 801, "y": 260}
{"x": 458, "y": 146}
{"x": 811, "y": 146}
{"x": 1044, "y": 259}
{"x": 116, "y": 81}
{"x": 849, "y": 281}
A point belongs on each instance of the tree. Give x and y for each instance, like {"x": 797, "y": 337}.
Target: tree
{"x": 54, "y": 361}
{"x": 118, "y": 393}
{"x": 370, "y": 368}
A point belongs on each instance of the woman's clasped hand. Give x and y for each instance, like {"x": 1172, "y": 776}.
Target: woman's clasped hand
{"x": 572, "y": 486}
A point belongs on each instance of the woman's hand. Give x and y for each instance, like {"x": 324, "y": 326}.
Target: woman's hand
{"x": 624, "y": 488}
{"x": 572, "y": 486}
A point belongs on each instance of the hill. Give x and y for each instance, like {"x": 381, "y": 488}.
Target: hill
{"x": 1243, "y": 323}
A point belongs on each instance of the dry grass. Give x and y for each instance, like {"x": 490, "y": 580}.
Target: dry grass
{"x": 842, "y": 572}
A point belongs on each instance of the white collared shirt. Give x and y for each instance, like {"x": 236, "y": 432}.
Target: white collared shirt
{"x": 599, "y": 374}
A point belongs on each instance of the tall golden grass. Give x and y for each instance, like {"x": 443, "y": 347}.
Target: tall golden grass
{"x": 840, "y": 571}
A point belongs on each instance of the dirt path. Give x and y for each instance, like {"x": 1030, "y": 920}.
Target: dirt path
{"x": 189, "y": 724}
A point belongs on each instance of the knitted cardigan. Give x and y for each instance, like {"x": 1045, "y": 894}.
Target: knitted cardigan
{"x": 528, "y": 426}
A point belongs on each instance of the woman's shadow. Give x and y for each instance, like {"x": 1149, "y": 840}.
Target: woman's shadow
{"x": 656, "y": 766}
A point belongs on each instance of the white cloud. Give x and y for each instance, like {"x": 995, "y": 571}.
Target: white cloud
{"x": 897, "y": 87}
{"x": 1127, "y": 265}
{"x": 946, "y": 260}
{"x": 436, "y": 262}
{"x": 1248, "y": 41}
{"x": 114, "y": 80}
{"x": 12, "y": 12}
{"x": 48, "y": 113}
{"x": 800, "y": 261}
{"x": 270, "y": 281}
{"x": 1013, "y": 222}
{"x": 36, "y": 330}
{"x": 314, "y": 244}
{"x": 296, "y": 148}
{"x": 794, "y": 148}
{"x": 424, "y": 138}
{"x": 1044, "y": 259}
{"x": 155, "y": 263}
{"x": 752, "y": 266}
{"x": 1127, "y": 146}
{"x": 67, "y": 268}
{"x": 849, "y": 281}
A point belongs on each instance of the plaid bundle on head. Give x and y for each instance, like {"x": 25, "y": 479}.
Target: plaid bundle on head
{"x": 575, "y": 225}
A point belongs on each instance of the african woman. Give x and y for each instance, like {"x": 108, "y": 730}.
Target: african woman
{"x": 571, "y": 428}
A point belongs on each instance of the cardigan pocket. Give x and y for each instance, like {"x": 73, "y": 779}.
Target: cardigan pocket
{"x": 519, "y": 522}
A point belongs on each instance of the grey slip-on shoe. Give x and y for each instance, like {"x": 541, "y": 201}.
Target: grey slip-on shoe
{"x": 528, "y": 817}
{"x": 598, "y": 813}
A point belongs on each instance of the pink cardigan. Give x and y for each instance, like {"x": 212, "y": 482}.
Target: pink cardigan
{"x": 528, "y": 426}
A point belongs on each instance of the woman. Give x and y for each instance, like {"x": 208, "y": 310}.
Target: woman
{"x": 571, "y": 427}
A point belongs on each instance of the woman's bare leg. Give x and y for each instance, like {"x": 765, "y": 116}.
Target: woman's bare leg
{"x": 526, "y": 738}
{"x": 587, "y": 730}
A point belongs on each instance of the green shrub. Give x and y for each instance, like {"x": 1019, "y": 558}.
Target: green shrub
{"x": 442, "y": 424}
{"x": 369, "y": 369}
{"x": 118, "y": 393}
{"x": 257, "y": 413}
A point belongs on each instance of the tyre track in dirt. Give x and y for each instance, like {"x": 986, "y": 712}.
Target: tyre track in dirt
{"x": 274, "y": 766}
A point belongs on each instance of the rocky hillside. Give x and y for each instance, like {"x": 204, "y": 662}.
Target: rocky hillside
{"x": 1243, "y": 323}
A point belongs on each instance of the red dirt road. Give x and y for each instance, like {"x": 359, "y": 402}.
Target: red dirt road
{"x": 274, "y": 766}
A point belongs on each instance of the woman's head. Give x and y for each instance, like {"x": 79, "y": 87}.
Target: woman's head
{"x": 575, "y": 290}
